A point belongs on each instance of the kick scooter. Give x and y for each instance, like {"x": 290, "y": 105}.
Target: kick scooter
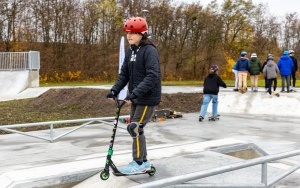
{"x": 104, "y": 174}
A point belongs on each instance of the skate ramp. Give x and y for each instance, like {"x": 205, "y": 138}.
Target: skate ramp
{"x": 258, "y": 103}
{"x": 13, "y": 82}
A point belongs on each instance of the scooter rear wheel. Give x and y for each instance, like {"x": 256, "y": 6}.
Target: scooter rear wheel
{"x": 104, "y": 175}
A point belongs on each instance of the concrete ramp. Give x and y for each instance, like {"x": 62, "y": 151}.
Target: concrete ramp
{"x": 14, "y": 82}
{"x": 259, "y": 103}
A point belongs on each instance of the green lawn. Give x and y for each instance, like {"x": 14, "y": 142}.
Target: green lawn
{"x": 230, "y": 83}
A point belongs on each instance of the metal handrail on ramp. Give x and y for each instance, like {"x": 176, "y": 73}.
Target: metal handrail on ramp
{"x": 11, "y": 61}
{"x": 182, "y": 181}
{"x": 85, "y": 122}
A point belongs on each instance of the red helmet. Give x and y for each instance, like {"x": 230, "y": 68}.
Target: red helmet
{"x": 135, "y": 25}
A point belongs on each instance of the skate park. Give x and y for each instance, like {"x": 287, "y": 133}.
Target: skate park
{"x": 180, "y": 148}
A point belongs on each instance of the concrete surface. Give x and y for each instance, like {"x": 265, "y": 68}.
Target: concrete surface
{"x": 176, "y": 146}
{"x": 13, "y": 82}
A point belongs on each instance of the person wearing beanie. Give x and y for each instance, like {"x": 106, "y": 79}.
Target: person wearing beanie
{"x": 254, "y": 70}
{"x": 295, "y": 68}
{"x": 212, "y": 82}
{"x": 242, "y": 66}
{"x": 285, "y": 65}
{"x": 270, "y": 71}
{"x": 263, "y": 66}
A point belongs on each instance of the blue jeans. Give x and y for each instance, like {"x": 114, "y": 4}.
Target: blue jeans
{"x": 285, "y": 79}
{"x": 206, "y": 100}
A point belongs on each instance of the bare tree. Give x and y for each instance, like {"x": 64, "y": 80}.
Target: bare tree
{"x": 291, "y": 30}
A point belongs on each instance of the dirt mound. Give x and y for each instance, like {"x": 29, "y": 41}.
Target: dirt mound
{"x": 82, "y": 103}
{"x": 93, "y": 102}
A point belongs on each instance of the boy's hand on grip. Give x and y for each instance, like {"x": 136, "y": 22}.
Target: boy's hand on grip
{"x": 111, "y": 95}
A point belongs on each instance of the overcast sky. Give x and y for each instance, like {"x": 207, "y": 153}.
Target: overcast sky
{"x": 276, "y": 7}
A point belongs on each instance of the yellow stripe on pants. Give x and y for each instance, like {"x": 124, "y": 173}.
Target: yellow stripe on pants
{"x": 137, "y": 140}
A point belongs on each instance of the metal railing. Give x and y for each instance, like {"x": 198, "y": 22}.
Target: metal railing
{"x": 51, "y": 124}
{"x": 20, "y": 60}
{"x": 182, "y": 181}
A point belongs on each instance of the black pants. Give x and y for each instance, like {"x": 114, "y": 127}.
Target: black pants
{"x": 266, "y": 82}
{"x": 293, "y": 76}
{"x": 270, "y": 82}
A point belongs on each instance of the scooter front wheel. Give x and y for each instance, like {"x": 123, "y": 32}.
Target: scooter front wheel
{"x": 152, "y": 171}
{"x": 104, "y": 175}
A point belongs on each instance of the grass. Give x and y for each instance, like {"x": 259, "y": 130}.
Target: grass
{"x": 229, "y": 83}
{"x": 75, "y": 84}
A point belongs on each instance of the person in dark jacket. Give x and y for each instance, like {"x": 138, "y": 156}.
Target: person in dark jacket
{"x": 270, "y": 71}
{"x": 212, "y": 82}
{"x": 141, "y": 71}
{"x": 285, "y": 65}
{"x": 243, "y": 66}
{"x": 295, "y": 68}
{"x": 254, "y": 70}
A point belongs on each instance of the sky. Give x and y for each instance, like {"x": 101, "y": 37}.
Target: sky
{"x": 276, "y": 7}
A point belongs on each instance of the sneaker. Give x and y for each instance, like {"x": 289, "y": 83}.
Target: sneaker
{"x": 235, "y": 90}
{"x": 201, "y": 118}
{"x": 147, "y": 165}
{"x": 133, "y": 168}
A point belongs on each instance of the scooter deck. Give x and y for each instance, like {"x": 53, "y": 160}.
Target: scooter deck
{"x": 151, "y": 172}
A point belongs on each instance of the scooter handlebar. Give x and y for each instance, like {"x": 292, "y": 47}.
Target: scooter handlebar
{"x": 120, "y": 103}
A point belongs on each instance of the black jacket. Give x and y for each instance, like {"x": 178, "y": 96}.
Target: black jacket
{"x": 142, "y": 75}
{"x": 212, "y": 82}
{"x": 295, "y": 68}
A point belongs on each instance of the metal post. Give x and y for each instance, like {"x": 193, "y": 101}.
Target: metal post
{"x": 145, "y": 13}
{"x": 51, "y": 132}
{"x": 264, "y": 173}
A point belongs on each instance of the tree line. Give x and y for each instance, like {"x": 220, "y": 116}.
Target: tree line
{"x": 79, "y": 39}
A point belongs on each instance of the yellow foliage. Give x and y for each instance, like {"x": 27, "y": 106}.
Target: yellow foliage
{"x": 73, "y": 76}
{"x": 227, "y": 73}
{"x": 105, "y": 75}
{"x": 62, "y": 77}
{"x": 169, "y": 77}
